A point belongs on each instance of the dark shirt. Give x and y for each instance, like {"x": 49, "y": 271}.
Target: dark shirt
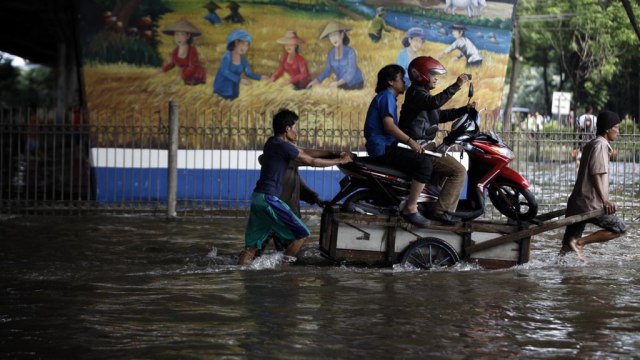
{"x": 277, "y": 154}
{"x": 421, "y": 110}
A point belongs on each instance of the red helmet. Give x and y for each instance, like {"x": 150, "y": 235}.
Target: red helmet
{"x": 421, "y": 67}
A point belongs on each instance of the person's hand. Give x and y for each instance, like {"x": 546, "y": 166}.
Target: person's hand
{"x": 312, "y": 84}
{"x": 609, "y": 207}
{"x": 245, "y": 82}
{"x": 414, "y": 146}
{"x": 463, "y": 79}
{"x": 345, "y": 158}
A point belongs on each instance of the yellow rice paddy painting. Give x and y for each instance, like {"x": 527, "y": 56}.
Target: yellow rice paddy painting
{"x": 312, "y": 56}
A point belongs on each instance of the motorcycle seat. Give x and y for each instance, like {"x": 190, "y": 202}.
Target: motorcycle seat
{"x": 377, "y": 164}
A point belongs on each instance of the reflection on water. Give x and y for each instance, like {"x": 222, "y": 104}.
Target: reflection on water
{"x": 135, "y": 287}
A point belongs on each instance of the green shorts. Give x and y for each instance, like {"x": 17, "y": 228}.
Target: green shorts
{"x": 271, "y": 215}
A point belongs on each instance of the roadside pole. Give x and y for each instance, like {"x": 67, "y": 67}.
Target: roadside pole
{"x": 172, "y": 168}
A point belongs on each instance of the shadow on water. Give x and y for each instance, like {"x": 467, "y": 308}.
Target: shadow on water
{"x": 137, "y": 287}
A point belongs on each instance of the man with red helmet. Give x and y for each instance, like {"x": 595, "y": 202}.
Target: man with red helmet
{"x": 419, "y": 112}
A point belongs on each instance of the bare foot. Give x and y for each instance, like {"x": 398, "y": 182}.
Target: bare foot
{"x": 247, "y": 255}
{"x": 578, "y": 249}
{"x": 565, "y": 250}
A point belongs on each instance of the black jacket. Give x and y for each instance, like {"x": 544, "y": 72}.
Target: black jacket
{"x": 421, "y": 110}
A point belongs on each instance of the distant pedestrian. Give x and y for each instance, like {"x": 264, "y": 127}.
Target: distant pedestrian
{"x": 591, "y": 190}
{"x": 587, "y": 121}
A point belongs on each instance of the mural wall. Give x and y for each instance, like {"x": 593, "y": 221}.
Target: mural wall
{"x": 257, "y": 56}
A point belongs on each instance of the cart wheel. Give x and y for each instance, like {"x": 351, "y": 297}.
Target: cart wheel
{"x": 514, "y": 203}
{"x": 367, "y": 202}
{"x": 428, "y": 253}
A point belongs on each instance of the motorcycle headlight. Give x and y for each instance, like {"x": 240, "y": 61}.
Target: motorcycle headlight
{"x": 503, "y": 151}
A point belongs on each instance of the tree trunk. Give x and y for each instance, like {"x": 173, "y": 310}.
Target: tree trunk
{"x": 515, "y": 70}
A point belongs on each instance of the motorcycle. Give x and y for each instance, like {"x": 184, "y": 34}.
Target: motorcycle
{"x": 371, "y": 187}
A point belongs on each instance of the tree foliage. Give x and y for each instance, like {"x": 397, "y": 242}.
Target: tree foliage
{"x": 582, "y": 46}
{"x": 24, "y": 87}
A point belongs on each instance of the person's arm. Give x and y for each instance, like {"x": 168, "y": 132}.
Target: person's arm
{"x": 598, "y": 185}
{"x": 450, "y": 48}
{"x": 170, "y": 64}
{"x": 452, "y": 114}
{"x": 327, "y": 68}
{"x": 393, "y": 129}
{"x": 276, "y": 75}
{"x": 303, "y": 72}
{"x": 349, "y": 71}
{"x": 192, "y": 63}
{"x": 430, "y": 102}
{"x": 247, "y": 70}
{"x": 224, "y": 68}
{"x": 322, "y": 153}
{"x": 306, "y": 159}
{"x": 385, "y": 27}
{"x": 597, "y": 168}
{"x": 307, "y": 194}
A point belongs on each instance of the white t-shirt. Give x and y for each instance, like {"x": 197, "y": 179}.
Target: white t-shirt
{"x": 582, "y": 119}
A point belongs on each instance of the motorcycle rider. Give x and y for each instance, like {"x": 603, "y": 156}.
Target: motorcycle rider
{"x": 383, "y": 135}
{"x": 419, "y": 112}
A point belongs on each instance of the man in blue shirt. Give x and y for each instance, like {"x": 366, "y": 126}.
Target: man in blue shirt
{"x": 269, "y": 213}
{"x": 383, "y": 135}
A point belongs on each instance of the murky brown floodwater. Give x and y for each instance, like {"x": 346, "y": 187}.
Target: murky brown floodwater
{"x": 137, "y": 287}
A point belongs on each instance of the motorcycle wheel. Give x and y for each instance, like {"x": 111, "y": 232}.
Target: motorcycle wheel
{"x": 428, "y": 253}
{"x": 514, "y": 203}
{"x": 366, "y": 202}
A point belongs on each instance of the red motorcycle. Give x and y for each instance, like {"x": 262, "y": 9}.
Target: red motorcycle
{"x": 371, "y": 187}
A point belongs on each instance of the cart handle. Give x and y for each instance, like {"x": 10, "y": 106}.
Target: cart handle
{"x": 534, "y": 230}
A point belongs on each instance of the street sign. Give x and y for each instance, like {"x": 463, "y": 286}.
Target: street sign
{"x": 561, "y": 103}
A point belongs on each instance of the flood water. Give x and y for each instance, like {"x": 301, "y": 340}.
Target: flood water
{"x": 140, "y": 287}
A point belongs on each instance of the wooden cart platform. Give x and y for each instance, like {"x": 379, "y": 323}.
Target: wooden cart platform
{"x": 376, "y": 240}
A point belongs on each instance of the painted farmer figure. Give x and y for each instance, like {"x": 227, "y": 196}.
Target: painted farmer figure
{"x": 412, "y": 42}
{"x": 233, "y": 65}
{"x": 378, "y": 25}
{"x": 420, "y": 111}
{"x": 341, "y": 60}
{"x": 292, "y": 62}
{"x": 465, "y": 46}
{"x": 269, "y": 214}
{"x": 383, "y": 136}
{"x": 212, "y": 17}
{"x": 184, "y": 55}
{"x": 591, "y": 190}
{"x": 234, "y": 15}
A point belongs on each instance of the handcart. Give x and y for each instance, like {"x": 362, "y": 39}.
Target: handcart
{"x": 384, "y": 240}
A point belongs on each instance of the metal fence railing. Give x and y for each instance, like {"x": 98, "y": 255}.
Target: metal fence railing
{"x": 118, "y": 163}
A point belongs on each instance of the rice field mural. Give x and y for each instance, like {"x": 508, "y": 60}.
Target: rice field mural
{"x": 230, "y": 60}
